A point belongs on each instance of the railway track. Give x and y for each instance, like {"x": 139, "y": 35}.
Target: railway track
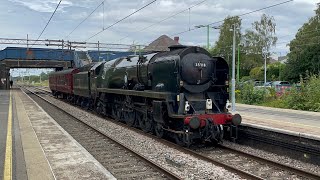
{"x": 294, "y": 143}
{"x": 246, "y": 165}
{"x": 261, "y": 167}
{"x": 122, "y": 162}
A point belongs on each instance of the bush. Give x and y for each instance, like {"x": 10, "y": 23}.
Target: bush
{"x": 294, "y": 99}
{"x": 245, "y": 78}
{"x": 249, "y": 95}
{"x": 276, "y": 103}
{"x": 307, "y": 97}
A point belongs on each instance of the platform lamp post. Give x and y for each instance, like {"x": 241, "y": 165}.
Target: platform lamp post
{"x": 98, "y": 51}
{"x": 238, "y": 65}
{"x": 208, "y": 32}
{"x": 264, "y": 52}
{"x": 233, "y": 81}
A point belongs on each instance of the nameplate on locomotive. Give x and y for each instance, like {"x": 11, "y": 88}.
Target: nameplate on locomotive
{"x": 200, "y": 64}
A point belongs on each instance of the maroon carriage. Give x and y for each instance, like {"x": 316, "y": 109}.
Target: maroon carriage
{"x": 61, "y": 82}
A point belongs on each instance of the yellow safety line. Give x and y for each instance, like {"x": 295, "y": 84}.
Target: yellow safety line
{"x": 8, "y": 158}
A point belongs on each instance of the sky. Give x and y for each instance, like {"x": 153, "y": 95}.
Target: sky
{"x": 29, "y": 72}
{"x": 21, "y": 17}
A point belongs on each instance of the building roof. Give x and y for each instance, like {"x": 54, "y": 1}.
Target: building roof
{"x": 161, "y": 44}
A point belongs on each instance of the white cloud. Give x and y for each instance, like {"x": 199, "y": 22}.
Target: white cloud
{"x": 43, "y": 5}
{"x": 311, "y": 2}
{"x": 21, "y": 17}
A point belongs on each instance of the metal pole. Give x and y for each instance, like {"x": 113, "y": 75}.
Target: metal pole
{"x": 208, "y": 28}
{"x": 27, "y": 42}
{"x": 265, "y": 69}
{"x": 233, "y": 81}
{"x": 238, "y": 69}
{"x": 98, "y": 51}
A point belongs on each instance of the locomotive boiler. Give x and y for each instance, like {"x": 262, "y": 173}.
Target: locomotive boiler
{"x": 180, "y": 94}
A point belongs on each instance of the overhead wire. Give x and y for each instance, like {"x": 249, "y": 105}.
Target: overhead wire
{"x": 169, "y": 17}
{"x": 305, "y": 44}
{"x": 247, "y": 13}
{"x": 103, "y": 29}
{"x": 102, "y": 3}
{"x": 296, "y": 45}
{"x": 308, "y": 38}
{"x": 303, "y": 38}
{"x": 250, "y": 12}
{"x": 47, "y": 23}
{"x": 304, "y": 33}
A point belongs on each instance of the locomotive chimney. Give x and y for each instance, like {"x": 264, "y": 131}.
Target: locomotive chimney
{"x": 176, "y": 39}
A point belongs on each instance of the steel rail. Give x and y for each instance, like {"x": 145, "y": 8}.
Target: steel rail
{"x": 151, "y": 163}
{"x": 288, "y": 145}
{"x": 241, "y": 173}
{"x": 297, "y": 171}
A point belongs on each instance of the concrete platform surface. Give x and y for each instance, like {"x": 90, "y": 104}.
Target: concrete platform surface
{"x": 47, "y": 151}
{"x": 291, "y": 121}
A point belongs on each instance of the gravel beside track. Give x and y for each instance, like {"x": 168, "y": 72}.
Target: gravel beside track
{"x": 182, "y": 164}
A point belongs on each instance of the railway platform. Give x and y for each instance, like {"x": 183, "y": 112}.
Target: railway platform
{"x": 293, "y": 122}
{"x": 34, "y": 146}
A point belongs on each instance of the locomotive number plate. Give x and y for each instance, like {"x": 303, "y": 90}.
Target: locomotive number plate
{"x": 200, "y": 64}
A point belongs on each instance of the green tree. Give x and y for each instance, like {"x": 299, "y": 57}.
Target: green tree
{"x": 304, "y": 53}
{"x": 274, "y": 71}
{"x": 256, "y": 73}
{"x": 223, "y": 46}
{"x": 44, "y": 76}
{"x": 261, "y": 37}
{"x": 34, "y": 78}
{"x": 258, "y": 42}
